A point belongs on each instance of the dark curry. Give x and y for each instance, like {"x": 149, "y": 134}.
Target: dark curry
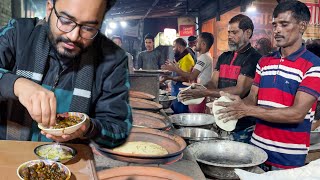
{"x": 63, "y": 122}
{"x": 42, "y": 171}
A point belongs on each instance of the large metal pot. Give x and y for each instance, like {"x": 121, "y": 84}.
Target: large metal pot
{"x": 166, "y": 101}
{"x": 219, "y": 158}
{"x": 191, "y": 135}
{"x": 199, "y": 120}
{"x": 314, "y": 137}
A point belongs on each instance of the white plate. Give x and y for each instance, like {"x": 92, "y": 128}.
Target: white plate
{"x": 231, "y": 124}
{"x": 67, "y": 130}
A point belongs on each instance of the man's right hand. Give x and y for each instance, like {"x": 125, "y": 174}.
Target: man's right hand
{"x": 40, "y": 102}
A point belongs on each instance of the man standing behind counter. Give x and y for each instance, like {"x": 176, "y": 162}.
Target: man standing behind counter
{"x": 63, "y": 64}
{"x": 285, "y": 88}
{"x": 150, "y": 59}
{"x": 234, "y": 71}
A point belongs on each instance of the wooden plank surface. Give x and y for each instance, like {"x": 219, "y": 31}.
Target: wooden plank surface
{"x": 14, "y": 153}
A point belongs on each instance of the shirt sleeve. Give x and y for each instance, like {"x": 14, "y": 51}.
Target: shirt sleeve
{"x": 248, "y": 68}
{"x": 139, "y": 63}
{"x": 257, "y": 76}
{"x": 7, "y": 60}
{"x": 311, "y": 82}
{"x": 201, "y": 63}
{"x": 217, "y": 67}
{"x": 112, "y": 117}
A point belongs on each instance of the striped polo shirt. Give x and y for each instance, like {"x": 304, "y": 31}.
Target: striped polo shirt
{"x": 278, "y": 80}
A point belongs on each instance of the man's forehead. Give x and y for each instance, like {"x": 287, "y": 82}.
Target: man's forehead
{"x": 285, "y": 16}
{"x": 233, "y": 26}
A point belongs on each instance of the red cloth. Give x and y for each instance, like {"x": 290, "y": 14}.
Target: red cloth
{"x": 198, "y": 108}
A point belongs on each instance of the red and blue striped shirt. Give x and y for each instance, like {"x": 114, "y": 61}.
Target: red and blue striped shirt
{"x": 278, "y": 80}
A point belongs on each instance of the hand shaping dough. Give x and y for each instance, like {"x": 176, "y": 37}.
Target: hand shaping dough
{"x": 231, "y": 124}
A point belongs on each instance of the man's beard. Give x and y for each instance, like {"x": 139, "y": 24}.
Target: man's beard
{"x": 65, "y": 53}
{"x": 235, "y": 46}
{"x": 177, "y": 54}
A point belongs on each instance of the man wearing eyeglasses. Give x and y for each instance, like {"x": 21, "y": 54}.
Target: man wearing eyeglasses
{"x": 64, "y": 64}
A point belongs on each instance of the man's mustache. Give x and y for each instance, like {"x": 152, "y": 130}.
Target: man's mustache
{"x": 62, "y": 39}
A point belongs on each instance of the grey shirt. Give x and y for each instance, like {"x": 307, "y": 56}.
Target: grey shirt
{"x": 150, "y": 60}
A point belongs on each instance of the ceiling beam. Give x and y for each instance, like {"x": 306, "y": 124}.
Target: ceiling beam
{"x": 150, "y": 9}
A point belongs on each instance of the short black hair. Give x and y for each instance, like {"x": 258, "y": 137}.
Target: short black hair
{"x": 299, "y": 10}
{"x": 181, "y": 42}
{"x": 244, "y": 22}
{"x": 149, "y": 36}
{"x": 116, "y": 37}
{"x": 192, "y": 38}
{"x": 207, "y": 38}
{"x": 109, "y": 4}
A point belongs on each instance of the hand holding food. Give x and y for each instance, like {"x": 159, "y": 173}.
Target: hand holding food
{"x": 40, "y": 102}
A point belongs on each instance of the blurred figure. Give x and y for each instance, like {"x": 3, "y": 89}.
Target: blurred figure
{"x": 185, "y": 62}
{"x": 192, "y": 43}
{"x": 118, "y": 41}
{"x": 314, "y": 46}
{"x": 202, "y": 71}
{"x": 149, "y": 59}
{"x": 263, "y": 46}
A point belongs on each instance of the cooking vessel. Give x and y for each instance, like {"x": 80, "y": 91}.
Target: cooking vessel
{"x": 140, "y": 173}
{"x": 192, "y": 120}
{"x": 174, "y": 144}
{"x": 142, "y": 104}
{"x": 314, "y": 137}
{"x": 147, "y": 121}
{"x": 224, "y": 156}
{"x": 191, "y": 135}
{"x": 166, "y": 101}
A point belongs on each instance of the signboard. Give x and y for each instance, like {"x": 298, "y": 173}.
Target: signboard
{"x": 313, "y": 30}
{"x": 187, "y": 30}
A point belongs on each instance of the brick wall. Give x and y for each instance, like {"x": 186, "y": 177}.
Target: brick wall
{"x": 5, "y": 12}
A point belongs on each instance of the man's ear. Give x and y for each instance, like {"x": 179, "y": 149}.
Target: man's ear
{"x": 303, "y": 26}
{"x": 49, "y": 8}
{"x": 249, "y": 33}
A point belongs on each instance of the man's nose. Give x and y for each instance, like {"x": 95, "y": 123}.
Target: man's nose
{"x": 74, "y": 35}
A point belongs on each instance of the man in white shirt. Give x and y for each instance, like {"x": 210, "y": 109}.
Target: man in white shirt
{"x": 202, "y": 71}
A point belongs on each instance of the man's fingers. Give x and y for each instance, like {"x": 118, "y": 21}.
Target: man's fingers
{"x": 36, "y": 110}
{"x": 53, "y": 110}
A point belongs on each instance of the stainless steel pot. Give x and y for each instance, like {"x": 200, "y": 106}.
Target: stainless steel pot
{"x": 314, "y": 137}
{"x": 220, "y": 157}
{"x": 192, "y": 135}
{"x": 192, "y": 120}
{"x": 166, "y": 101}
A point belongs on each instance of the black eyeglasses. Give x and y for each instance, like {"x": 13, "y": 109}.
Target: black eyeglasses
{"x": 67, "y": 25}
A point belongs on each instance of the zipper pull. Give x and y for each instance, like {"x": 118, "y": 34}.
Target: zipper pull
{"x": 55, "y": 82}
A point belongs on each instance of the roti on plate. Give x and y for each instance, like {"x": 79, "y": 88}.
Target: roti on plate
{"x": 231, "y": 124}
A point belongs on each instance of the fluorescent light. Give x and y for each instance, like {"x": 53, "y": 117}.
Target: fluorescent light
{"x": 112, "y": 25}
{"x": 251, "y": 8}
{"x": 108, "y": 31}
{"x": 123, "y": 24}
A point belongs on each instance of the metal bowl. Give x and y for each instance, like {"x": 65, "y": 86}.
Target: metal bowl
{"x": 223, "y": 153}
{"x": 49, "y": 150}
{"x": 166, "y": 101}
{"x": 314, "y": 137}
{"x": 196, "y": 134}
{"x": 192, "y": 120}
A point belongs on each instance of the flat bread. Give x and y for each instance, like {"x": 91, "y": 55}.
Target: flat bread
{"x": 231, "y": 124}
{"x": 141, "y": 148}
{"x": 190, "y": 101}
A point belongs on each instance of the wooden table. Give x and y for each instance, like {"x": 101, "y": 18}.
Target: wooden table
{"x": 14, "y": 153}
